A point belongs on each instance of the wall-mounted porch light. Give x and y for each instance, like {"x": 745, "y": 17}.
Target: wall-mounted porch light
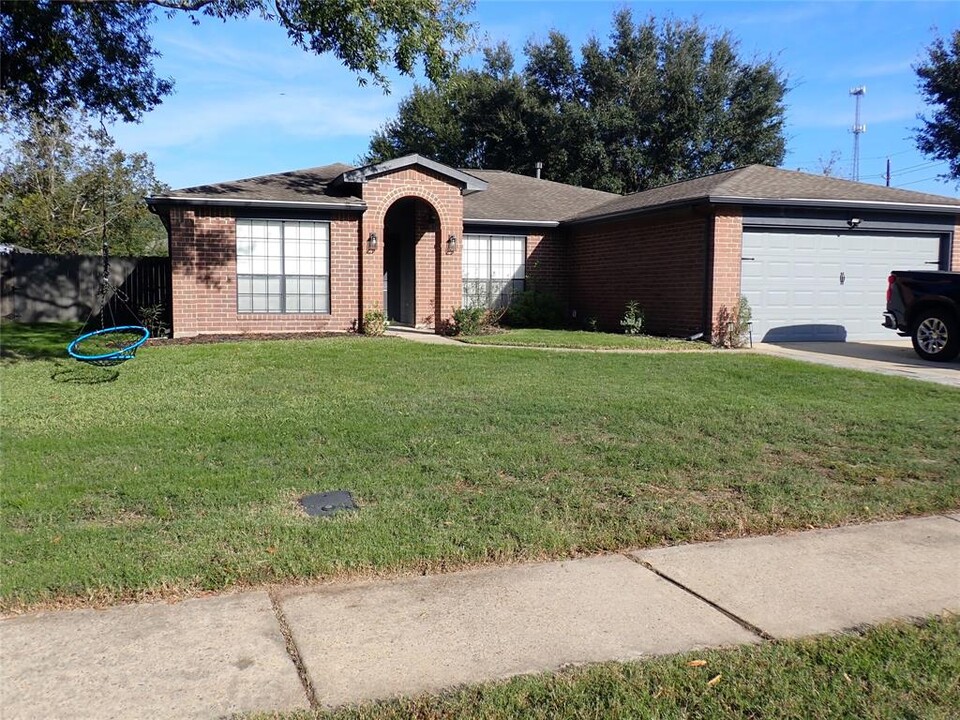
{"x": 372, "y": 242}
{"x": 451, "y": 244}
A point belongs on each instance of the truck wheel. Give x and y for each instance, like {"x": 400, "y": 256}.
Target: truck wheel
{"x": 936, "y": 335}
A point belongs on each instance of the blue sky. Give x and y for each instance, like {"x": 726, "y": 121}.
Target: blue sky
{"x": 248, "y": 103}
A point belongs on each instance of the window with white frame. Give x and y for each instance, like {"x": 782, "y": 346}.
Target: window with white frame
{"x": 493, "y": 269}
{"x": 283, "y": 266}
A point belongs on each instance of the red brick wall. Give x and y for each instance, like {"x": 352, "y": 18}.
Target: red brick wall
{"x": 657, "y": 261}
{"x": 955, "y": 260}
{"x": 727, "y": 255}
{"x": 203, "y": 257}
{"x": 547, "y": 266}
{"x": 439, "y": 281}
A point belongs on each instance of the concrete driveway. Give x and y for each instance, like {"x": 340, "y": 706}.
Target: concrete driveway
{"x": 890, "y": 357}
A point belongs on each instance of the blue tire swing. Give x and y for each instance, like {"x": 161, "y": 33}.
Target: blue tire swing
{"x": 110, "y": 344}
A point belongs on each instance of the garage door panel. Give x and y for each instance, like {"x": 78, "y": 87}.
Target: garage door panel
{"x": 825, "y": 286}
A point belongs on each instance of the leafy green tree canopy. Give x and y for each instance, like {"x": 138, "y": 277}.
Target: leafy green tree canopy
{"x": 98, "y": 56}
{"x": 660, "y": 102}
{"x": 939, "y": 82}
{"x": 65, "y": 186}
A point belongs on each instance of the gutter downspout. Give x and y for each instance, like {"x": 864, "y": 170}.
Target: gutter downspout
{"x": 708, "y": 257}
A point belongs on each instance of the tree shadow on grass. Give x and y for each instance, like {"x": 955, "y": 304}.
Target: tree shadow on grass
{"x": 21, "y": 342}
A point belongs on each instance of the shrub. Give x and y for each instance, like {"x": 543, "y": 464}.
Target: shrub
{"x": 632, "y": 322}
{"x": 469, "y": 321}
{"x": 733, "y": 326}
{"x": 153, "y": 318}
{"x": 374, "y": 322}
{"x": 535, "y": 309}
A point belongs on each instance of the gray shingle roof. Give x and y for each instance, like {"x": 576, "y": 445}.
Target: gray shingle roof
{"x": 758, "y": 183}
{"x": 311, "y": 185}
{"x": 520, "y": 197}
{"x": 511, "y": 197}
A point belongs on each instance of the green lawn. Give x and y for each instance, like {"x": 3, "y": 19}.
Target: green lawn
{"x": 893, "y": 672}
{"x": 582, "y": 340}
{"x": 180, "y": 470}
{"x": 33, "y": 342}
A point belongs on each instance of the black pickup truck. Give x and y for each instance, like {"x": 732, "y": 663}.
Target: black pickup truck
{"x": 926, "y": 306}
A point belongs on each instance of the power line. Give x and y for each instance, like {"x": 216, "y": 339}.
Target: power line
{"x": 915, "y": 168}
{"x": 890, "y": 155}
{"x": 914, "y": 182}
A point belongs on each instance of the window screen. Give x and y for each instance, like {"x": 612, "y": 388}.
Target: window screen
{"x": 283, "y": 266}
{"x": 493, "y": 269}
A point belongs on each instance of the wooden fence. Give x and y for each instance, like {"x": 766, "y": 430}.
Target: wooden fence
{"x": 64, "y": 288}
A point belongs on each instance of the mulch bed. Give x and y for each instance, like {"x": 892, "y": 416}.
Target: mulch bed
{"x": 242, "y": 337}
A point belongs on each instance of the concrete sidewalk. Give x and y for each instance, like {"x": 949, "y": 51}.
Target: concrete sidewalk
{"x": 349, "y": 642}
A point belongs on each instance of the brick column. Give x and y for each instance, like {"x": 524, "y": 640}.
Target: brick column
{"x": 955, "y": 260}
{"x": 727, "y": 253}
{"x": 371, "y": 267}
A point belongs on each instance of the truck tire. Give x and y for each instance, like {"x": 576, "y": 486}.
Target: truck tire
{"x": 936, "y": 335}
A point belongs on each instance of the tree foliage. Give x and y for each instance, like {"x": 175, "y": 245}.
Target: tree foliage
{"x": 939, "y": 82}
{"x": 661, "y": 102}
{"x": 98, "y": 56}
{"x": 65, "y": 187}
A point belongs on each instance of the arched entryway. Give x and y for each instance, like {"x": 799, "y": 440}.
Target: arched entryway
{"x": 409, "y": 248}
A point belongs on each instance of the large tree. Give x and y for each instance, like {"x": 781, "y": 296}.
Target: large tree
{"x": 98, "y": 56}
{"x": 939, "y": 81}
{"x": 65, "y": 187}
{"x": 661, "y": 102}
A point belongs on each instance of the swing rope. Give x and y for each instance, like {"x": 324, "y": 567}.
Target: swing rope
{"x": 109, "y": 344}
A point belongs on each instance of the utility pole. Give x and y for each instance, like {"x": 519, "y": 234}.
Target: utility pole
{"x": 888, "y": 172}
{"x": 858, "y": 129}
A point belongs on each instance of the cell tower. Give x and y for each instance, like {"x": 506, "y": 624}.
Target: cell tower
{"x": 858, "y": 129}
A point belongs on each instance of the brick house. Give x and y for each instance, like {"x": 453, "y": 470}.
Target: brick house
{"x": 313, "y": 250}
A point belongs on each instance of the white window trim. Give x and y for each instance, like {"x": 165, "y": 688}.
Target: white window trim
{"x": 283, "y": 275}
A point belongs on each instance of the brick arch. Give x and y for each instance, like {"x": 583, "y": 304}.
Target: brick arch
{"x": 435, "y": 267}
{"x": 398, "y": 194}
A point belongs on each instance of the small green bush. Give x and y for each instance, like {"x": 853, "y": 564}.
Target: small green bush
{"x": 535, "y": 309}
{"x": 374, "y": 322}
{"x": 152, "y": 317}
{"x": 632, "y": 322}
{"x": 470, "y": 321}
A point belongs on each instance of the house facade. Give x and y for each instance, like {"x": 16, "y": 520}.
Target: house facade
{"x": 314, "y": 250}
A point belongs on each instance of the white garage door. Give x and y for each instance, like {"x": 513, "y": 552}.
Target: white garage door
{"x": 819, "y": 286}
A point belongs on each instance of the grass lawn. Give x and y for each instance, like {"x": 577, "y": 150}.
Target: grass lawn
{"x": 33, "y": 342}
{"x": 180, "y": 470}
{"x": 892, "y": 671}
{"x": 580, "y": 339}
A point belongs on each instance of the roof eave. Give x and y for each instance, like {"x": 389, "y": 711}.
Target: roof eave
{"x": 580, "y": 219}
{"x": 514, "y": 223}
{"x": 838, "y": 203}
{"x": 234, "y": 202}
{"x": 789, "y": 202}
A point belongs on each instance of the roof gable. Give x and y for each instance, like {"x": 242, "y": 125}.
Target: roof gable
{"x": 469, "y": 183}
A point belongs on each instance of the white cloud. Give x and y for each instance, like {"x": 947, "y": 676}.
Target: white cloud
{"x": 867, "y": 70}
{"x": 776, "y": 15}
{"x": 810, "y": 116}
{"x": 294, "y": 112}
